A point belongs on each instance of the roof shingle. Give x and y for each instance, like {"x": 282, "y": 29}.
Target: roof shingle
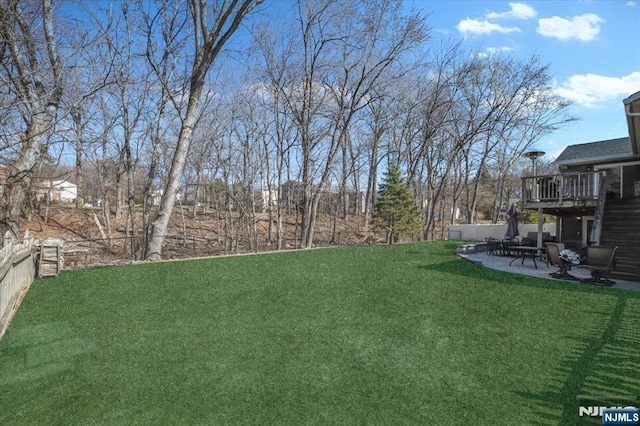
{"x": 610, "y": 149}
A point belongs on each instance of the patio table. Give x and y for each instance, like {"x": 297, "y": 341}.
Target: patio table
{"x": 524, "y": 252}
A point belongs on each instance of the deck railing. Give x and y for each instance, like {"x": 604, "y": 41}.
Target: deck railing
{"x": 561, "y": 187}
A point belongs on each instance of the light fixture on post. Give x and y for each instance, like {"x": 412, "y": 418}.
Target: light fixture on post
{"x": 533, "y": 156}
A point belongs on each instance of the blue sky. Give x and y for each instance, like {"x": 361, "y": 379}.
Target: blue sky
{"x": 592, "y": 48}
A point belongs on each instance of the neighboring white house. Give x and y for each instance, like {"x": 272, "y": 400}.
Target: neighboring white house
{"x": 156, "y": 196}
{"x": 269, "y": 199}
{"x": 58, "y": 190}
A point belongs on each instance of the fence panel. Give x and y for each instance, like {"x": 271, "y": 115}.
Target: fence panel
{"x": 16, "y": 275}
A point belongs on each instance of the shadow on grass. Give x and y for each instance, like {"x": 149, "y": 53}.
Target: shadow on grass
{"x": 604, "y": 362}
{"x": 604, "y": 366}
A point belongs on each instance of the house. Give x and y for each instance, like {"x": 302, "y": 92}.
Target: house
{"x": 292, "y": 195}
{"x": 59, "y": 190}
{"x": 156, "y": 197}
{"x": 269, "y": 199}
{"x": 596, "y": 194}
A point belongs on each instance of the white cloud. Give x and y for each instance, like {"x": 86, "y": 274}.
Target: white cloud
{"x": 591, "y": 90}
{"x": 470, "y": 26}
{"x": 490, "y": 51}
{"x": 630, "y": 4}
{"x": 518, "y": 11}
{"x": 584, "y": 27}
{"x": 494, "y": 50}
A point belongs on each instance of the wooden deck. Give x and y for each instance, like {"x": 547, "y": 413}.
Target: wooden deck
{"x": 569, "y": 190}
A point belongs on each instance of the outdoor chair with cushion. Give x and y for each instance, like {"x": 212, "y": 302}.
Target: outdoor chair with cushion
{"x": 553, "y": 257}
{"x": 600, "y": 261}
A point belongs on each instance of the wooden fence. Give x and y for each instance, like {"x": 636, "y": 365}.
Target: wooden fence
{"x": 16, "y": 275}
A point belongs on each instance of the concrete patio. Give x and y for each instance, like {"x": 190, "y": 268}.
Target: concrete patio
{"x": 476, "y": 254}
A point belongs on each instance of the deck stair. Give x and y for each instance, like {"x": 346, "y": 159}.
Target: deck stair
{"x": 621, "y": 227}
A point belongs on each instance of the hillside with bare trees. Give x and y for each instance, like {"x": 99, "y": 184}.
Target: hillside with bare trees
{"x": 147, "y": 111}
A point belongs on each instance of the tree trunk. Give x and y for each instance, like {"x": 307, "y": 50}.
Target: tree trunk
{"x": 79, "y": 133}
{"x": 343, "y": 184}
{"x": 370, "y": 201}
{"x": 168, "y": 199}
{"x": 19, "y": 179}
{"x": 25, "y": 61}
{"x": 208, "y": 43}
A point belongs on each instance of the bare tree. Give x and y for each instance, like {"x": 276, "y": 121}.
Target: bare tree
{"x": 280, "y": 138}
{"x": 208, "y": 40}
{"x": 32, "y": 71}
{"x": 510, "y": 103}
{"x": 377, "y": 123}
{"x": 86, "y": 78}
{"x": 370, "y": 54}
{"x": 345, "y": 51}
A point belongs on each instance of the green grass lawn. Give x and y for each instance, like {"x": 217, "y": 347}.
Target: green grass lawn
{"x": 376, "y": 335}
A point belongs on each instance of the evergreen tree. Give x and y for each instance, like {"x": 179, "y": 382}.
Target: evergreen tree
{"x": 396, "y": 209}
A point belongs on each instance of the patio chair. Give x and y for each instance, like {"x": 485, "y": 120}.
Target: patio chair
{"x": 506, "y": 246}
{"x": 493, "y": 246}
{"x": 600, "y": 261}
{"x": 554, "y": 259}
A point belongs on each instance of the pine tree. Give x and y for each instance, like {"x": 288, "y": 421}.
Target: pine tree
{"x": 396, "y": 209}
